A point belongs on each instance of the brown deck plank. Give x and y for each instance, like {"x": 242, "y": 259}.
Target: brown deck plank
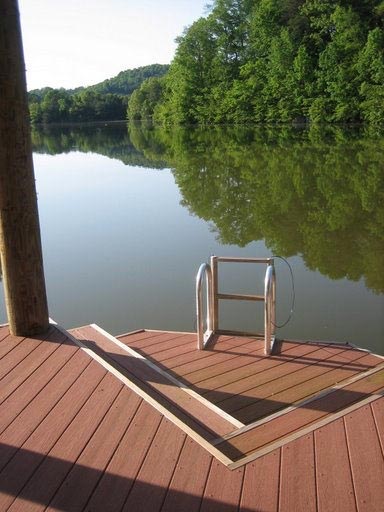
{"x": 267, "y": 400}
{"x": 147, "y": 463}
{"x": 274, "y": 380}
{"x": 35, "y": 427}
{"x": 366, "y": 457}
{"x": 157, "y": 470}
{"x": 202, "y": 355}
{"x": 84, "y": 475}
{"x": 168, "y": 351}
{"x": 227, "y": 362}
{"x": 378, "y": 413}
{"x": 114, "y": 486}
{"x": 8, "y": 343}
{"x": 34, "y": 384}
{"x": 263, "y": 370}
{"x": 223, "y": 490}
{"x": 223, "y": 357}
{"x": 16, "y": 355}
{"x": 41, "y": 485}
{"x": 293, "y": 421}
{"x": 333, "y": 471}
{"x": 261, "y": 481}
{"x": 4, "y": 331}
{"x": 149, "y": 339}
{"x": 13, "y": 379}
{"x": 184, "y": 343}
{"x": 185, "y": 490}
{"x": 297, "y": 476}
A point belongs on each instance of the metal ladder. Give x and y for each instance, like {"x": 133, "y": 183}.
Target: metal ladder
{"x": 210, "y": 272}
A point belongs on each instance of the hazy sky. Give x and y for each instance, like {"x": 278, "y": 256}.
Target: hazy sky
{"x": 68, "y": 43}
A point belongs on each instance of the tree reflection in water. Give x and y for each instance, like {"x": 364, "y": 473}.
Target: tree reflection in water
{"x": 316, "y": 192}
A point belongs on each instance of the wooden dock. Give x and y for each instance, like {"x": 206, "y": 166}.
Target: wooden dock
{"x": 146, "y": 422}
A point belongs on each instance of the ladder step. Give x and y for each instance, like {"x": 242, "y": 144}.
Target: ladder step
{"x": 237, "y": 296}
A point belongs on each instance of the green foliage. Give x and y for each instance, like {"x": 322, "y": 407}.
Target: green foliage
{"x": 278, "y": 61}
{"x": 370, "y": 67}
{"x": 143, "y": 100}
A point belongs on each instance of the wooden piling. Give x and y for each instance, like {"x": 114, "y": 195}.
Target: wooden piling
{"x": 20, "y": 243}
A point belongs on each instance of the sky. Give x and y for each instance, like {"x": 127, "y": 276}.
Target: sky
{"x": 69, "y": 43}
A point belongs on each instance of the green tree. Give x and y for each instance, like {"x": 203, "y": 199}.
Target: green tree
{"x": 142, "y": 103}
{"x": 370, "y": 66}
{"x": 189, "y": 82}
{"x": 336, "y": 82}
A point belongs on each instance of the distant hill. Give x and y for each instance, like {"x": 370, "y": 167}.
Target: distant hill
{"x": 124, "y": 83}
{"x": 106, "y": 100}
{"x": 127, "y": 81}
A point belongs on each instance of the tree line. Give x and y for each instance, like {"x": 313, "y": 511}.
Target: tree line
{"x": 105, "y": 101}
{"x": 273, "y": 61}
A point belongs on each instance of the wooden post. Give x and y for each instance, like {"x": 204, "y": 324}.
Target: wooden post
{"x": 20, "y": 244}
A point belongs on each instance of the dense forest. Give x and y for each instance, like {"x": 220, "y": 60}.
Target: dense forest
{"x": 273, "y": 61}
{"x": 101, "y": 102}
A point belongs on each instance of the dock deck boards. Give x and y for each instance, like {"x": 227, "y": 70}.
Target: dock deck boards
{"x": 75, "y": 437}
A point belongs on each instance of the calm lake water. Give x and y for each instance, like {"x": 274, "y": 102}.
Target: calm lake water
{"x": 128, "y": 214}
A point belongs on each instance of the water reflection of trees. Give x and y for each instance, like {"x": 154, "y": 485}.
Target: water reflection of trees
{"x": 318, "y": 193}
{"x": 111, "y": 140}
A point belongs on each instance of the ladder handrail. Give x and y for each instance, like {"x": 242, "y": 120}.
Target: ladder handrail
{"x": 213, "y": 296}
{"x": 269, "y": 308}
{"x": 204, "y": 271}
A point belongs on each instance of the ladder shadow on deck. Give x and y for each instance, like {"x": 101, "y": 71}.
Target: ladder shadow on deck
{"x": 246, "y": 408}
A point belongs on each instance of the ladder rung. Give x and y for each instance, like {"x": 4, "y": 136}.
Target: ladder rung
{"x": 236, "y": 296}
{"x": 243, "y": 260}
